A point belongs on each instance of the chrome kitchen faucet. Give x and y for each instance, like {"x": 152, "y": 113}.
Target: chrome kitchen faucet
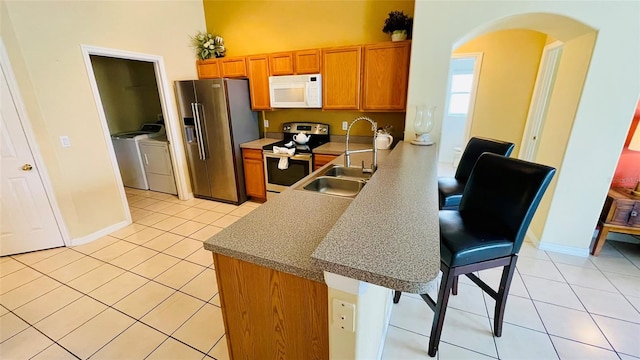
{"x": 374, "y": 150}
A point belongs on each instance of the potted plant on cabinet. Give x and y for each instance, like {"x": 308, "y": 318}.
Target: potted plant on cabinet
{"x": 399, "y": 25}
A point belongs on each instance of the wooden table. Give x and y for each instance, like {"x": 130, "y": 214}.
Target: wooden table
{"x": 621, "y": 214}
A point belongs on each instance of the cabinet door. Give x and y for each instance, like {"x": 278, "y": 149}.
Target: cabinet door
{"x": 320, "y": 160}
{"x": 233, "y": 67}
{"x": 208, "y": 69}
{"x": 385, "y": 75}
{"x": 281, "y": 63}
{"x": 254, "y": 180}
{"x": 307, "y": 61}
{"x": 341, "y": 78}
{"x": 258, "y": 71}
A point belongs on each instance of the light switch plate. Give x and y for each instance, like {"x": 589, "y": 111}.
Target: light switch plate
{"x": 266, "y": 123}
{"x": 345, "y": 125}
{"x": 64, "y": 140}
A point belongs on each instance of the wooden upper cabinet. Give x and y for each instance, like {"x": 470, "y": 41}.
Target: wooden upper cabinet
{"x": 307, "y": 61}
{"x": 281, "y": 63}
{"x": 208, "y": 69}
{"x": 385, "y": 76}
{"x": 258, "y": 71}
{"x": 341, "y": 77}
{"x": 233, "y": 67}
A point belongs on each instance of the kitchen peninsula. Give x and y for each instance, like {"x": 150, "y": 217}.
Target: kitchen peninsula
{"x": 285, "y": 268}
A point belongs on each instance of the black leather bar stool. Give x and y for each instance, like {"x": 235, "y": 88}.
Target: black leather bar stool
{"x": 487, "y": 231}
{"x": 450, "y": 188}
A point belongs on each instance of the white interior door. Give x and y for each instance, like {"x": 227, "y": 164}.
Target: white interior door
{"x": 542, "y": 90}
{"x": 27, "y": 220}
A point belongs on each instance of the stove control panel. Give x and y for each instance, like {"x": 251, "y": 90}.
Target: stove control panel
{"x": 306, "y": 128}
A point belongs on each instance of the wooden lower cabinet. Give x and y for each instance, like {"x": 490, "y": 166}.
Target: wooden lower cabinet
{"x": 320, "y": 160}
{"x": 254, "y": 180}
{"x": 270, "y": 314}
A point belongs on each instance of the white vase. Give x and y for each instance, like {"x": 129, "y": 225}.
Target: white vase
{"x": 399, "y": 35}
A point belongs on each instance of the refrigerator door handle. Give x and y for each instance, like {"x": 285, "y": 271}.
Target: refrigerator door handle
{"x": 198, "y": 125}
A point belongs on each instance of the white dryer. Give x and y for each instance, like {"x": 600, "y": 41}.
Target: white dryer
{"x": 128, "y": 155}
{"x": 157, "y": 164}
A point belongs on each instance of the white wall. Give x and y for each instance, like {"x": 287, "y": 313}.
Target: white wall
{"x": 43, "y": 40}
{"x": 607, "y": 103}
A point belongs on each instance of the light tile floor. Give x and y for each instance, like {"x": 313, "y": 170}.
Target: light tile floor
{"x": 149, "y": 291}
{"x": 146, "y": 291}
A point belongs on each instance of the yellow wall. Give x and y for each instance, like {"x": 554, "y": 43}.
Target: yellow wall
{"x": 334, "y": 119}
{"x": 510, "y": 61}
{"x": 43, "y": 42}
{"x": 262, "y": 26}
{"x": 565, "y": 98}
{"x": 254, "y": 27}
{"x": 128, "y": 92}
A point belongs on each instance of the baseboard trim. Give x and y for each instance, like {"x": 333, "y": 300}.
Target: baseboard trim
{"x": 563, "y": 249}
{"x": 98, "y": 234}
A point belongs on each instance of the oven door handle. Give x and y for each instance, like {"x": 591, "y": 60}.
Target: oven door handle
{"x": 293, "y": 157}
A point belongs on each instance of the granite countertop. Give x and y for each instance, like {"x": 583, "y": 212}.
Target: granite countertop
{"x": 387, "y": 235}
{"x": 338, "y": 148}
{"x": 258, "y": 144}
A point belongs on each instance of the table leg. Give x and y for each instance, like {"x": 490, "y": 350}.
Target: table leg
{"x": 600, "y": 239}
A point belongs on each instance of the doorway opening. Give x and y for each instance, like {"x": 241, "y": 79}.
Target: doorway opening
{"x": 464, "y": 71}
{"x": 131, "y": 93}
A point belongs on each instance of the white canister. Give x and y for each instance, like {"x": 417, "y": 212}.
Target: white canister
{"x": 383, "y": 141}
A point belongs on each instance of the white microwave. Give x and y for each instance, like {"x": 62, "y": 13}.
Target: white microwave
{"x": 296, "y": 91}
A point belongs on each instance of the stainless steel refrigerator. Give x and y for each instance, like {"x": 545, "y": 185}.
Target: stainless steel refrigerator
{"x": 217, "y": 118}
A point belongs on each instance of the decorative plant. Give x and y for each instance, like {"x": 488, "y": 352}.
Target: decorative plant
{"x": 208, "y": 45}
{"x": 398, "y": 21}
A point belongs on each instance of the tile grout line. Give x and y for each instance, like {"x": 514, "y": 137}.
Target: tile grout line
{"x": 538, "y": 313}
{"x": 110, "y": 306}
{"x": 587, "y": 310}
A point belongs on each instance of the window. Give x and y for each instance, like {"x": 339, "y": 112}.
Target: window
{"x": 460, "y": 94}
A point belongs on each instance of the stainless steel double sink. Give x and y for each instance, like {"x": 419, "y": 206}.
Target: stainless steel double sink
{"x": 338, "y": 181}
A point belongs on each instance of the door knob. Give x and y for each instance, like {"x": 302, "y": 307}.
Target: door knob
{"x": 27, "y": 167}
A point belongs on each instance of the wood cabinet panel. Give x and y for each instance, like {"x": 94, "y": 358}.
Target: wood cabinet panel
{"x": 385, "y": 75}
{"x": 254, "y": 180}
{"x": 341, "y": 78}
{"x": 281, "y": 63}
{"x": 320, "y": 160}
{"x": 258, "y": 71}
{"x": 233, "y": 67}
{"x": 208, "y": 69}
{"x": 307, "y": 61}
{"x": 271, "y": 314}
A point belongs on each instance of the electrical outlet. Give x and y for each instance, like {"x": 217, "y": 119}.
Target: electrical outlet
{"x": 64, "y": 140}
{"x": 266, "y": 123}
{"x": 344, "y": 315}
{"x": 345, "y": 125}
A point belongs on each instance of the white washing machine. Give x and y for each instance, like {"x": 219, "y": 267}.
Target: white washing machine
{"x": 128, "y": 155}
{"x": 157, "y": 164}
